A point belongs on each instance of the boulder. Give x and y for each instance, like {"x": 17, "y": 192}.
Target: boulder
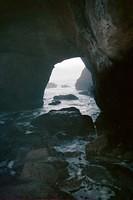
{"x": 66, "y": 97}
{"x": 96, "y": 147}
{"x": 55, "y": 102}
{"x": 42, "y": 166}
{"x": 39, "y": 177}
{"x": 66, "y": 120}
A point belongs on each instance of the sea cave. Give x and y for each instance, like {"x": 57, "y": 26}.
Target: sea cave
{"x": 65, "y": 153}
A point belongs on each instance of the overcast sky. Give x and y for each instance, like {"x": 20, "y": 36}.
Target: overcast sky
{"x": 67, "y": 72}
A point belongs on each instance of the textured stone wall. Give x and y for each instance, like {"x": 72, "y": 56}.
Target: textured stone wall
{"x": 105, "y": 34}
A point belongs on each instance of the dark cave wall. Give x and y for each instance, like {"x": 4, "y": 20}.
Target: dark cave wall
{"x": 106, "y": 37}
{"x": 108, "y": 45}
{"x": 33, "y": 36}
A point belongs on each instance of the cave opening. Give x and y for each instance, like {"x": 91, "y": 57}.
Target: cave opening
{"x": 70, "y": 85}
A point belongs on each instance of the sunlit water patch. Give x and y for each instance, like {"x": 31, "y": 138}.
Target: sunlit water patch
{"x": 85, "y": 104}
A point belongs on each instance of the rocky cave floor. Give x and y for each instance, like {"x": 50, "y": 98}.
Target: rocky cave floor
{"x": 60, "y": 155}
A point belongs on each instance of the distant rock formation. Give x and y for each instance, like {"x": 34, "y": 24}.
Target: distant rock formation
{"x": 84, "y": 92}
{"x": 84, "y": 82}
{"x": 51, "y": 85}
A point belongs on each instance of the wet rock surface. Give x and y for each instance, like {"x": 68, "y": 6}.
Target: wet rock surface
{"x": 67, "y": 120}
{"x": 38, "y": 178}
{"x": 55, "y": 102}
{"x": 66, "y": 97}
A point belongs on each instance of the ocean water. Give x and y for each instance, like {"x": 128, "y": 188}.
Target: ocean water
{"x": 86, "y": 104}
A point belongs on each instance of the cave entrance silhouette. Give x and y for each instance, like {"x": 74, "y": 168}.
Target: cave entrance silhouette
{"x": 61, "y": 90}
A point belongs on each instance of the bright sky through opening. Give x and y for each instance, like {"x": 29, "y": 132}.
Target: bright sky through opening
{"x": 67, "y": 72}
